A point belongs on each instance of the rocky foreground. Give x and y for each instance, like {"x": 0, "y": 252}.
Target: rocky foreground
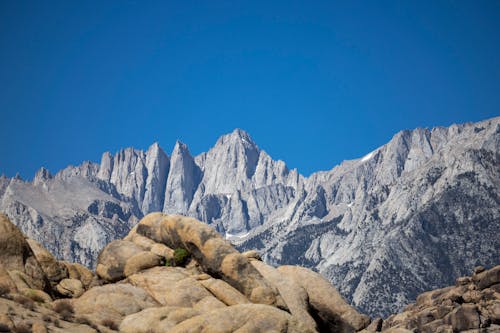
{"x": 176, "y": 274}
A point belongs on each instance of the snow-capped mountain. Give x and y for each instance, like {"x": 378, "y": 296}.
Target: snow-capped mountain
{"x": 410, "y": 216}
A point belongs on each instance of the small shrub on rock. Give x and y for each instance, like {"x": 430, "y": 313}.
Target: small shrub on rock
{"x": 181, "y": 256}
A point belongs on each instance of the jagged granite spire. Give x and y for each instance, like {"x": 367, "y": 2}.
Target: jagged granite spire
{"x": 157, "y": 167}
{"x": 183, "y": 179}
{"x": 41, "y": 176}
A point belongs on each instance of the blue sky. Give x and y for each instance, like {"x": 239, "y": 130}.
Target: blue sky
{"x": 313, "y": 83}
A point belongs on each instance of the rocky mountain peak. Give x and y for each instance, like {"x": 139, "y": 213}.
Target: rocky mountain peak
{"x": 41, "y": 176}
{"x": 231, "y": 163}
{"x": 181, "y": 150}
{"x": 238, "y": 137}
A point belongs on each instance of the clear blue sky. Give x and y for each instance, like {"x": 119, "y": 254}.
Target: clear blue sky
{"x": 313, "y": 83}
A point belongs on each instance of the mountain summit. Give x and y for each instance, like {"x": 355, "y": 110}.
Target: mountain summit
{"x": 416, "y": 212}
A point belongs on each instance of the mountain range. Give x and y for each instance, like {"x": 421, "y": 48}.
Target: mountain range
{"x": 410, "y": 216}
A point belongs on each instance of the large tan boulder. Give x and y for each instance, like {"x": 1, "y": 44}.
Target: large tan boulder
{"x": 294, "y": 295}
{"x": 243, "y": 318}
{"x": 158, "y": 320}
{"x": 224, "y": 292}
{"x": 70, "y": 288}
{"x": 112, "y": 259}
{"x": 150, "y": 227}
{"x": 487, "y": 278}
{"x": 141, "y": 261}
{"x": 144, "y": 242}
{"x": 215, "y": 255}
{"x": 171, "y": 286}
{"x": 16, "y": 255}
{"x": 54, "y": 270}
{"x": 112, "y": 302}
{"x": 36, "y": 295}
{"x": 7, "y": 284}
{"x": 335, "y": 313}
{"x": 163, "y": 251}
{"x": 464, "y": 318}
{"x": 79, "y": 272}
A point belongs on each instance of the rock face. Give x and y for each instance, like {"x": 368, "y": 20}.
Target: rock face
{"x": 203, "y": 296}
{"x": 472, "y": 305}
{"x": 412, "y": 213}
{"x": 18, "y": 260}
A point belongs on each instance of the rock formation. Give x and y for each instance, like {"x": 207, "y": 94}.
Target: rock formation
{"x": 471, "y": 305}
{"x": 418, "y": 211}
{"x": 218, "y": 290}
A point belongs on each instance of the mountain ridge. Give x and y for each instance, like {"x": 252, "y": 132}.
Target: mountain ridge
{"x": 346, "y": 222}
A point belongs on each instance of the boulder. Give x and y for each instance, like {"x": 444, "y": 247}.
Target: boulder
{"x": 494, "y": 312}
{"x": 171, "y": 286}
{"x": 158, "y": 320}
{"x": 144, "y": 242}
{"x": 375, "y": 326}
{"x": 215, "y": 255}
{"x": 7, "y": 284}
{"x": 140, "y": 261}
{"x": 208, "y": 304}
{"x": 150, "y": 227}
{"x": 162, "y": 250}
{"x": 112, "y": 259}
{"x": 70, "y": 288}
{"x": 464, "y": 317}
{"x": 16, "y": 255}
{"x": 294, "y": 295}
{"x": 112, "y": 302}
{"x": 53, "y": 269}
{"x": 79, "y": 272}
{"x": 21, "y": 280}
{"x": 486, "y": 279}
{"x": 252, "y": 254}
{"x": 224, "y": 292}
{"x": 36, "y": 295}
{"x": 335, "y": 313}
{"x": 38, "y": 327}
{"x": 434, "y": 297}
{"x": 244, "y": 318}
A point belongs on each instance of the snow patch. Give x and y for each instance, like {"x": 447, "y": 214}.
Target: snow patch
{"x": 228, "y": 235}
{"x": 350, "y": 204}
{"x": 367, "y": 157}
